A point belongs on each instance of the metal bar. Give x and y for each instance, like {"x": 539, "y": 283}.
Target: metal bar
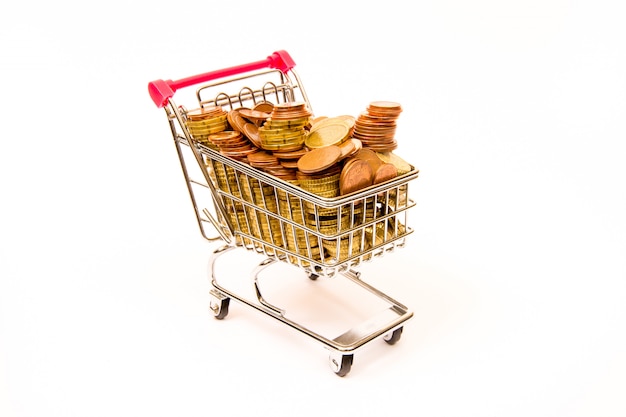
{"x": 349, "y": 341}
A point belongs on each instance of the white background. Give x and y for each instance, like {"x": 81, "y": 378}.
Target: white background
{"x": 513, "y": 113}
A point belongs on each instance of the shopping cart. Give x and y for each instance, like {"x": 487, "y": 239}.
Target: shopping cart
{"x": 248, "y": 208}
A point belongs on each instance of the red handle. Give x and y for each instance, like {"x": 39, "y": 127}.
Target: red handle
{"x": 161, "y": 91}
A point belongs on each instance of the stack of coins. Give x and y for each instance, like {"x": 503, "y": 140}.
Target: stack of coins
{"x": 289, "y": 161}
{"x": 376, "y": 126}
{"x": 262, "y": 195}
{"x": 324, "y": 184}
{"x": 225, "y": 177}
{"x": 285, "y": 129}
{"x": 297, "y": 239}
{"x": 264, "y": 160}
{"x": 205, "y": 121}
{"x": 246, "y": 224}
{"x": 319, "y": 170}
{"x": 382, "y": 232}
{"x": 268, "y": 162}
{"x": 233, "y": 144}
{"x": 349, "y": 245}
{"x": 239, "y": 215}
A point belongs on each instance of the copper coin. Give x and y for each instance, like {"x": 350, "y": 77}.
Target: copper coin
{"x": 225, "y": 135}
{"x": 355, "y": 175}
{"x": 385, "y": 105}
{"x": 319, "y": 159}
{"x": 291, "y": 155}
{"x": 325, "y": 176}
{"x": 289, "y": 163}
{"x": 235, "y": 120}
{"x": 252, "y": 132}
{"x": 370, "y": 157}
{"x": 264, "y": 106}
{"x": 350, "y": 147}
{"x": 262, "y": 157}
{"x": 385, "y": 172}
{"x": 254, "y": 114}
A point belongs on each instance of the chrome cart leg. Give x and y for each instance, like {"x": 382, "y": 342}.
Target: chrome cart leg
{"x": 341, "y": 363}
{"x": 219, "y": 302}
{"x": 255, "y": 279}
{"x": 393, "y": 336}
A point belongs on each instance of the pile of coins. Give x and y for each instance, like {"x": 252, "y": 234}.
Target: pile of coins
{"x": 320, "y": 171}
{"x": 326, "y": 156}
{"x": 205, "y": 121}
{"x": 376, "y": 126}
{"x": 233, "y": 144}
{"x": 297, "y": 237}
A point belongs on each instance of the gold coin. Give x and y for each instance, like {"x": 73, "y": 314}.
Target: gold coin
{"x": 331, "y": 134}
{"x": 282, "y": 147}
{"x": 287, "y": 123}
{"x": 402, "y": 165}
{"x": 318, "y": 119}
{"x": 330, "y": 121}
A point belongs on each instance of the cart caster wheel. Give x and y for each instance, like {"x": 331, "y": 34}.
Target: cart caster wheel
{"x": 341, "y": 365}
{"x": 220, "y": 307}
{"x": 394, "y": 336}
{"x": 313, "y": 277}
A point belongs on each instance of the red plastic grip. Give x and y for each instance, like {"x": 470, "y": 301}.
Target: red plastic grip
{"x": 162, "y": 90}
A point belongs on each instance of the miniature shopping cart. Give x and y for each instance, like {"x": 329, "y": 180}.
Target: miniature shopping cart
{"x": 253, "y": 210}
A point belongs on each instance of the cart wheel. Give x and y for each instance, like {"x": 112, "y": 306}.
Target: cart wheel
{"x": 313, "y": 277}
{"x": 394, "y": 336}
{"x": 220, "y": 307}
{"x": 341, "y": 365}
